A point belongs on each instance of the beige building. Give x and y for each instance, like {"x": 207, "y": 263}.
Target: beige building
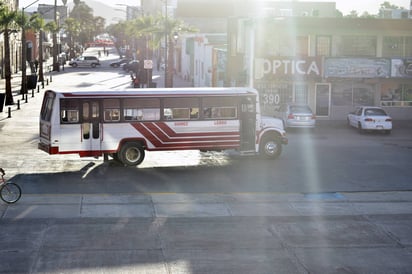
{"x": 332, "y": 64}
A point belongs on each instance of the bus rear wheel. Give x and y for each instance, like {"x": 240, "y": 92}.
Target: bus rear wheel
{"x": 132, "y": 154}
{"x": 270, "y": 147}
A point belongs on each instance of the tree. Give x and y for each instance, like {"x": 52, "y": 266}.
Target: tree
{"x": 24, "y": 24}
{"x": 98, "y": 25}
{"x": 387, "y": 5}
{"x": 119, "y": 32}
{"x": 72, "y": 29}
{"x": 171, "y": 28}
{"x": 153, "y": 30}
{"x": 7, "y": 19}
{"x": 83, "y": 14}
{"x": 37, "y": 24}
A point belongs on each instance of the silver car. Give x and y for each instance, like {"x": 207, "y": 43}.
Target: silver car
{"x": 296, "y": 115}
{"x": 85, "y": 61}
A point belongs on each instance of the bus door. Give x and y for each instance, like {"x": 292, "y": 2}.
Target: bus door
{"x": 91, "y": 128}
{"x": 248, "y": 124}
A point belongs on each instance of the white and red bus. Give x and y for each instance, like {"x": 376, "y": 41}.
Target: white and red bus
{"x": 123, "y": 124}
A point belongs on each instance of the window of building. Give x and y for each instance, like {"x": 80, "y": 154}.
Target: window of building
{"x": 302, "y": 46}
{"x": 358, "y": 45}
{"x": 408, "y": 46}
{"x": 392, "y": 46}
{"x": 355, "y": 94}
{"x": 301, "y": 93}
{"x": 323, "y": 45}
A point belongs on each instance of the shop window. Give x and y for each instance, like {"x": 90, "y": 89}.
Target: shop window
{"x": 352, "y": 95}
{"x": 398, "y": 95}
{"x": 273, "y": 94}
{"x": 301, "y": 93}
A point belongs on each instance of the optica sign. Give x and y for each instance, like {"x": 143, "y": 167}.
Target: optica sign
{"x": 287, "y": 67}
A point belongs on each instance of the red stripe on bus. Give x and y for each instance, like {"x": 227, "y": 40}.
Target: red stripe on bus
{"x": 168, "y": 135}
{"x": 160, "y": 140}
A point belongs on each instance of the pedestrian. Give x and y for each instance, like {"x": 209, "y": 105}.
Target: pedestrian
{"x": 36, "y": 64}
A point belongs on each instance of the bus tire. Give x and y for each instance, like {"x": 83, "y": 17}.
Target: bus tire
{"x": 132, "y": 154}
{"x": 270, "y": 147}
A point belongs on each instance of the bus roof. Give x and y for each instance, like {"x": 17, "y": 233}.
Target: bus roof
{"x": 154, "y": 92}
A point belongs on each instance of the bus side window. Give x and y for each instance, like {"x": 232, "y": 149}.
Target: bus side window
{"x": 141, "y": 109}
{"x": 70, "y": 116}
{"x": 181, "y": 108}
{"x": 220, "y": 107}
{"x": 194, "y": 113}
{"x": 207, "y": 113}
{"x": 69, "y": 111}
{"x": 111, "y": 110}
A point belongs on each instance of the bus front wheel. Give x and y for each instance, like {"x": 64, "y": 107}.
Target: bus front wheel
{"x": 270, "y": 147}
{"x": 132, "y": 154}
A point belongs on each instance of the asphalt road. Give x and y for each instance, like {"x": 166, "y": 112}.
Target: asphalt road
{"x": 334, "y": 202}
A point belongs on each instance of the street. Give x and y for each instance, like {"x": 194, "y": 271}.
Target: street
{"x": 336, "y": 201}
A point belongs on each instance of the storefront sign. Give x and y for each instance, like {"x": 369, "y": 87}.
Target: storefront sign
{"x": 287, "y": 67}
{"x": 401, "y": 68}
{"x": 357, "y": 67}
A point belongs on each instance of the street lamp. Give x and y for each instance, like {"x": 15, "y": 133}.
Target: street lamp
{"x": 24, "y": 50}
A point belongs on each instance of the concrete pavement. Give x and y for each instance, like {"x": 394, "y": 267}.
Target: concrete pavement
{"x": 208, "y": 233}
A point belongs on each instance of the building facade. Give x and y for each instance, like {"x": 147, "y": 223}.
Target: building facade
{"x": 332, "y": 64}
{"x": 14, "y": 42}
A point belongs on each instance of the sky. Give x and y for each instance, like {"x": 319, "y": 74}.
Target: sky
{"x": 345, "y": 6}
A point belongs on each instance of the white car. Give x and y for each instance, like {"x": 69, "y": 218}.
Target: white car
{"x": 370, "y": 118}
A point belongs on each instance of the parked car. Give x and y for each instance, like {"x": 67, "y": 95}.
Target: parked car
{"x": 85, "y": 61}
{"x": 370, "y": 118}
{"x": 296, "y": 115}
{"x": 120, "y": 62}
{"x": 132, "y": 66}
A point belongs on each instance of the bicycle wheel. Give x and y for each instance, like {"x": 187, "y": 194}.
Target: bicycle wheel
{"x": 10, "y": 193}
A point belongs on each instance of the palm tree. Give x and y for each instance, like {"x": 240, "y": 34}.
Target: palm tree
{"x": 72, "y": 28}
{"x": 37, "y": 23}
{"x": 119, "y": 32}
{"x": 154, "y": 30}
{"x": 7, "y": 18}
{"x": 23, "y": 23}
{"x": 142, "y": 29}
